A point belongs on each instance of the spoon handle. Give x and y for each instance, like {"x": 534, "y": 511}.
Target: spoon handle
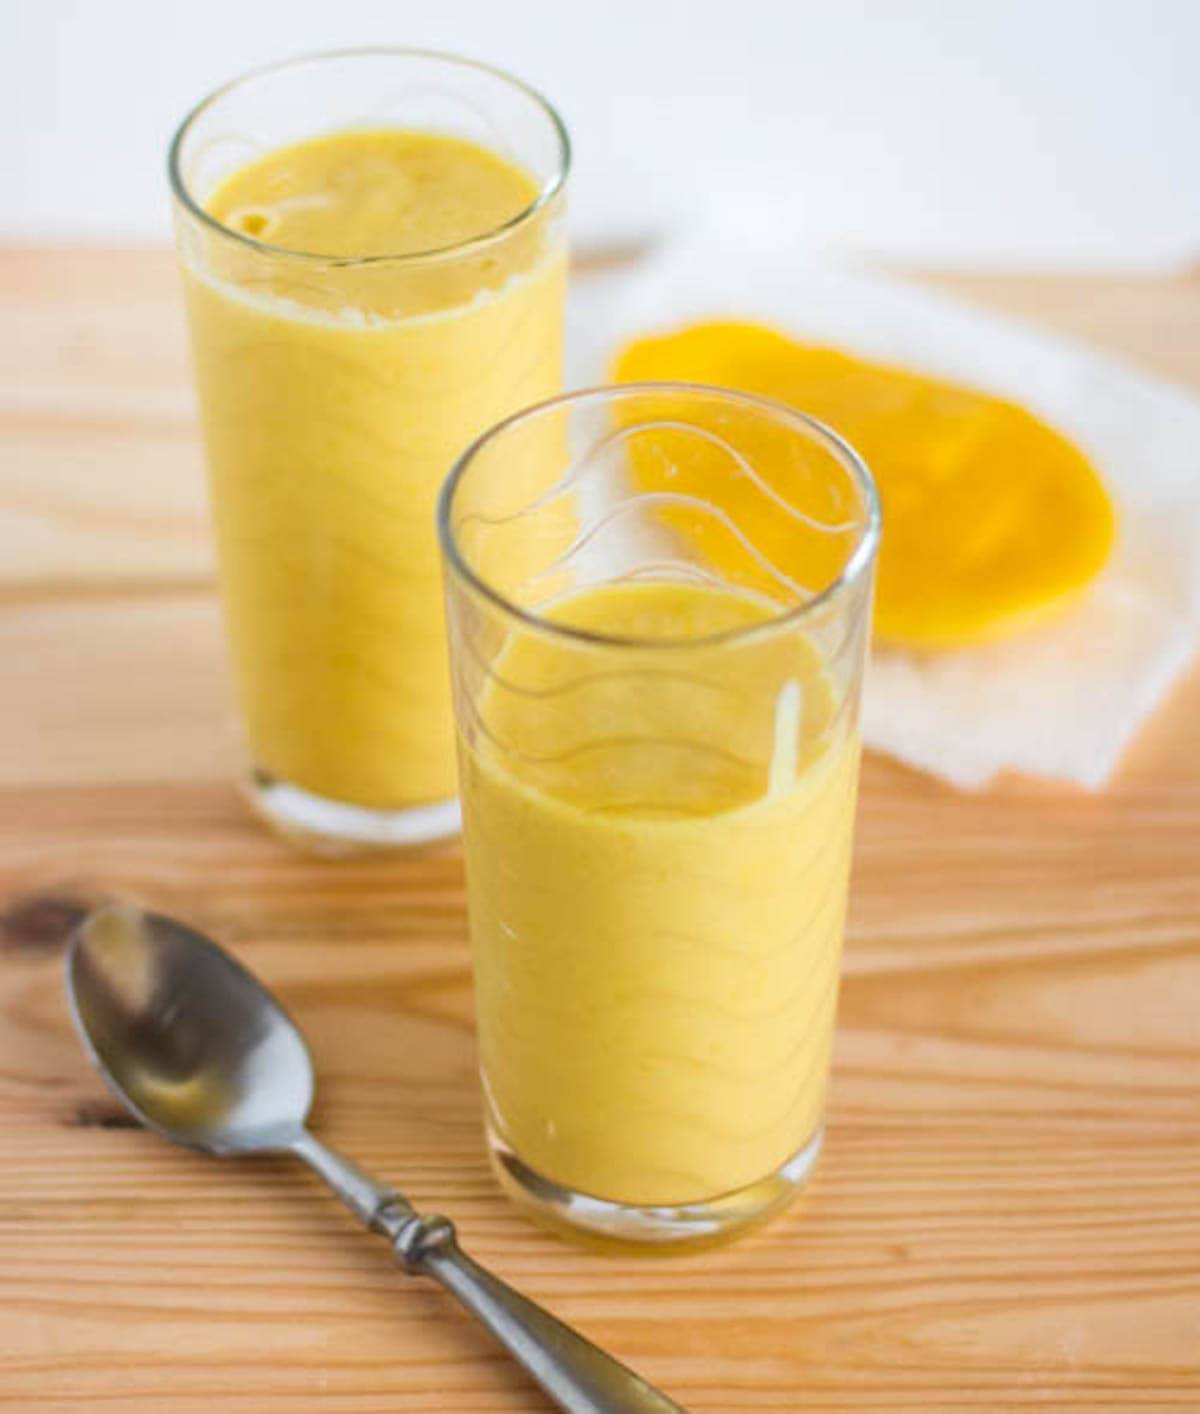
{"x": 576, "y": 1374}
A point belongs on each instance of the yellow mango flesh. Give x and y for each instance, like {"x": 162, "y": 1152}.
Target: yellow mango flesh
{"x": 992, "y": 520}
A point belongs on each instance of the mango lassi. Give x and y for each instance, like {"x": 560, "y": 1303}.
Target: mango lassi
{"x": 658, "y": 842}
{"x": 348, "y": 344}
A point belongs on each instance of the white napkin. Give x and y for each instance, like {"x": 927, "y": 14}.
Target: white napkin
{"x": 1061, "y": 701}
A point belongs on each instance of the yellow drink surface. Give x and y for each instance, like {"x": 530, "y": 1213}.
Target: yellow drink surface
{"x": 658, "y": 844}
{"x": 334, "y": 399}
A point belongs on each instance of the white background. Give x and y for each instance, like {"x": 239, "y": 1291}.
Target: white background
{"x": 1010, "y": 133}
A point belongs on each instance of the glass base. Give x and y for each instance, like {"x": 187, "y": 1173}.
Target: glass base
{"x": 335, "y": 827}
{"x": 659, "y": 1224}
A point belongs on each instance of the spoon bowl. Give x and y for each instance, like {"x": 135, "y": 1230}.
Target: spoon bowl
{"x": 185, "y": 1036}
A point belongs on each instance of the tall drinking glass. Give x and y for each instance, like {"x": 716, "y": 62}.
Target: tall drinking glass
{"x": 346, "y": 350}
{"x": 659, "y": 606}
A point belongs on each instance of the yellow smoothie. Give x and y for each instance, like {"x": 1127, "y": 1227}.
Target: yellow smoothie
{"x": 335, "y": 394}
{"x": 658, "y": 843}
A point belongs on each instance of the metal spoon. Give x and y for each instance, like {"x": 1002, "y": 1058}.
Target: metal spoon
{"x": 201, "y": 1052}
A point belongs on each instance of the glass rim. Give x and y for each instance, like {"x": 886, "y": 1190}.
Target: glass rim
{"x": 546, "y": 193}
{"x": 857, "y": 564}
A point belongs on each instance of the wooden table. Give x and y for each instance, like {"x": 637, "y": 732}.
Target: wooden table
{"x": 1008, "y": 1212}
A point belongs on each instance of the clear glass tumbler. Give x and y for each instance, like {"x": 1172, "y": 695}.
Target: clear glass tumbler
{"x": 334, "y": 394}
{"x": 659, "y": 607}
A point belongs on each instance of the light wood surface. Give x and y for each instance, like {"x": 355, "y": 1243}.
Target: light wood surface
{"x": 1008, "y": 1212}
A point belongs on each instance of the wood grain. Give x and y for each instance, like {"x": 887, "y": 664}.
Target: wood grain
{"x": 1008, "y": 1212}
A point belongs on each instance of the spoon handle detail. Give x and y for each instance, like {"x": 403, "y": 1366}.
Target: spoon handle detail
{"x": 576, "y": 1374}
